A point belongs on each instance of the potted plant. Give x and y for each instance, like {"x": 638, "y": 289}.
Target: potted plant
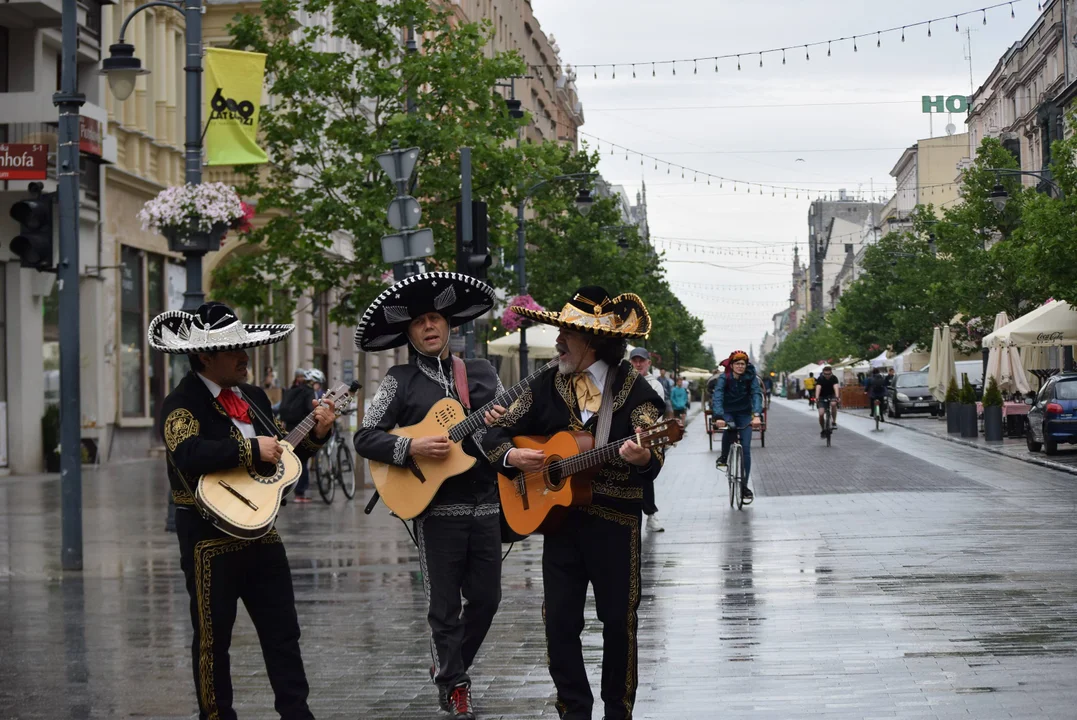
{"x": 193, "y": 217}
{"x": 992, "y": 412}
{"x": 50, "y": 436}
{"x": 510, "y": 320}
{"x": 969, "y": 428}
{"x": 953, "y": 404}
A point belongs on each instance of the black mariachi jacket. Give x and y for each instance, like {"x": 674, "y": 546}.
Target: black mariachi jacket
{"x": 551, "y": 407}
{"x": 200, "y": 438}
{"x": 405, "y": 396}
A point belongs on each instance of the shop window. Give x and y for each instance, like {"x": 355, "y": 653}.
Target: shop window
{"x": 132, "y": 333}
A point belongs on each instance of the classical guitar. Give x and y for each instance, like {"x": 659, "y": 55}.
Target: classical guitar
{"x": 243, "y": 502}
{"x": 407, "y": 491}
{"x": 535, "y": 502}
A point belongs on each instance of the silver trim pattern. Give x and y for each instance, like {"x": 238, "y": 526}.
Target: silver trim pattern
{"x": 400, "y": 451}
{"x": 444, "y": 383}
{"x": 381, "y": 402}
{"x": 445, "y": 298}
{"x": 397, "y": 313}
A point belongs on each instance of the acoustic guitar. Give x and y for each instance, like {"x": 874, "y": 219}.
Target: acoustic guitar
{"x": 407, "y": 491}
{"x": 536, "y": 502}
{"x": 242, "y": 501}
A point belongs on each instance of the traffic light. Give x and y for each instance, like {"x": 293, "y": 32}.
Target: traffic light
{"x": 515, "y": 108}
{"x": 476, "y": 259}
{"x": 33, "y": 244}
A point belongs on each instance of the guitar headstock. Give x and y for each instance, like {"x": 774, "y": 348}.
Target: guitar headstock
{"x": 341, "y": 396}
{"x": 666, "y": 432}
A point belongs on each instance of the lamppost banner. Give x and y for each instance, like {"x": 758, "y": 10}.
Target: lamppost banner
{"x": 233, "y": 95}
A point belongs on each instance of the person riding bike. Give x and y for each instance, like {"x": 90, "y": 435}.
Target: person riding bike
{"x": 809, "y": 389}
{"x": 738, "y": 400}
{"x": 828, "y": 388}
{"x": 877, "y": 391}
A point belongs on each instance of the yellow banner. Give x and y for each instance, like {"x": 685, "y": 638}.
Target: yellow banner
{"x": 233, "y": 100}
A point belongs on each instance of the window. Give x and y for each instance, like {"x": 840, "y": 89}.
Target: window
{"x": 1066, "y": 390}
{"x": 132, "y": 332}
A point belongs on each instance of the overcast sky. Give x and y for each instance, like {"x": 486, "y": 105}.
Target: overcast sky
{"x": 825, "y": 123}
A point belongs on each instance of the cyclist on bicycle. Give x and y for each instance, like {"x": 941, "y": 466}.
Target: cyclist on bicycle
{"x": 877, "y": 392}
{"x": 738, "y": 400}
{"x": 828, "y": 389}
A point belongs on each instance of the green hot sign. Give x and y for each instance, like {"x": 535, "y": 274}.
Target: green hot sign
{"x": 945, "y": 103}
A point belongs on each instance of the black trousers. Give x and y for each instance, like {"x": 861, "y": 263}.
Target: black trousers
{"x": 460, "y": 556}
{"x": 303, "y": 484}
{"x": 220, "y": 571}
{"x": 649, "y": 508}
{"x": 600, "y": 546}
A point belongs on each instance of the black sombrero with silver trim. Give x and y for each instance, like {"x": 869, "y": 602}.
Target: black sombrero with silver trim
{"x": 458, "y": 298}
{"x": 212, "y": 328}
{"x": 592, "y": 310}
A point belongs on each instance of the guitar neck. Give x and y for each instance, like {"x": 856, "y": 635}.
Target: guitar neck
{"x": 475, "y": 420}
{"x": 591, "y": 458}
{"x": 300, "y": 431}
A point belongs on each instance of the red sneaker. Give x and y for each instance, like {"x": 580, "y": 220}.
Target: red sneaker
{"x": 460, "y": 704}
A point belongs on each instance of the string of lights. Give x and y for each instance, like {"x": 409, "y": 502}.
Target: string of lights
{"x": 732, "y": 286}
{"x": 639, "y": 67}
{"x": 757, "y": 253}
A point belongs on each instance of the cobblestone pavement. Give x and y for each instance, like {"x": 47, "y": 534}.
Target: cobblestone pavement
{"x": 891, "y": 575}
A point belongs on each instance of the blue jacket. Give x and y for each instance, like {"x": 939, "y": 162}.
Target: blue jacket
{"x": 737, "y": 396}
{"x": 678, "y": 397}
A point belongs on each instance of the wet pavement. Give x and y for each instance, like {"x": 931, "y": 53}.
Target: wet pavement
{"x": 892, "y": 575}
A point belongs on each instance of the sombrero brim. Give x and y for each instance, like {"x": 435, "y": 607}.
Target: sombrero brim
{"x": 622, "y": 303}
{"x": 169, "y": 333}
{"x": 459, "y": 298}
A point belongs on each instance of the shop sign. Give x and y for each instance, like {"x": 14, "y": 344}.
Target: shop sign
{"x": 23, "y": 161}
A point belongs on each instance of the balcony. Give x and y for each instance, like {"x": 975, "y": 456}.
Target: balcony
{"x": 30, "y": 13}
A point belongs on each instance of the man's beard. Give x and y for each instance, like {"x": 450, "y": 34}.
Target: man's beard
{"x": 567, "y": 367}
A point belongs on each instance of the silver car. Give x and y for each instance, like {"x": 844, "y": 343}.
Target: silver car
{"x": 909, "y": 393}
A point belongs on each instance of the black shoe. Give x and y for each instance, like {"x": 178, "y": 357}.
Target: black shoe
{"x": 460, "y": 704}
{"x": 443, "y": 692}
{"x": 822, "y": 433}
{"x": 746, "y": 495}
{"x": 722, "y": 463}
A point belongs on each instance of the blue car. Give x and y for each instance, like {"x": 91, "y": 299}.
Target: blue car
{"x": 1053, "y": 418}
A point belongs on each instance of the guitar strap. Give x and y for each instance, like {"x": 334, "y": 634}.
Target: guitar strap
{"x": 605, "y": 410}
{"x": 459, "y": 375}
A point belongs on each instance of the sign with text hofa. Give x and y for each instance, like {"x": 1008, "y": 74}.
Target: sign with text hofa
{"x": 233, "y": 98}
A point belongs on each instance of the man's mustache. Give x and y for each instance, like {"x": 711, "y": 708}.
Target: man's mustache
{"x": 561, "y": 348}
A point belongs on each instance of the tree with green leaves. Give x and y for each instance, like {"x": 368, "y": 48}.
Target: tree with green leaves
{"x": 814, "y": 340}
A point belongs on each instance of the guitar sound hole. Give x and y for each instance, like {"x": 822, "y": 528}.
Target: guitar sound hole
{"x": 555, "y": 478}
{"x": 274, "y": 476}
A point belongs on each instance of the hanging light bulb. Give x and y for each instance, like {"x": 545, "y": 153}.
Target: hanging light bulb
{"x": 760, "y": 59}
{"x": 1011, "y": 11}
{"x": 855, "y": 49}
{"x": 715, "y": 64}
{"x": 828, "y": 48}
{"x": 807, "y": 55}
{"x": 783, "y": 56}
{"x": 674, "y": 68}
{"x": 929, "y": 28}
{"x": 738, "y": 62}
{"x": 879, "y": 40}
{"x": 695, "y": 67}
{"x": 957, "y": 28}
{"x": 614, "y": 72}
{"x": 633, "y": 72}
{"x": 652, "y": 70}
{"x": 596, "y": 73}
{"x": 667, "y": 168}
{"x": 902, "y": 34}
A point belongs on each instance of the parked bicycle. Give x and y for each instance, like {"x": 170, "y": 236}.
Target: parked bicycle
{"x": 332, "y": 465}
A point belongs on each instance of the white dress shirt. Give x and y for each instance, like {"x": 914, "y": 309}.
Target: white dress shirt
{"x": 246, "y": 428}
{"x": 598, "y": 371}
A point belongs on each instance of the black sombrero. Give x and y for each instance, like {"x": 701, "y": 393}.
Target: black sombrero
{"x": 213, "y": 327}
{"x": 459, "y": 298}
{"x": 591, "y": 310}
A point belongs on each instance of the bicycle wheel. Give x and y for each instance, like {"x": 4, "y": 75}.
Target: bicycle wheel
{"x": 877, "y": 413}
{"x": 324, "y": 472}
{"x": 346, "y": 470}
{"x": 829, "y": 429}
{"x": 735, "y": 472}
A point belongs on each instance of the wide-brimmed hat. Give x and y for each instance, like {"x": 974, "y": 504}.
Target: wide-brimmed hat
{"x": 214, "y": 327}
{"x": 591, "y": 310}
{"x": 456, "y": 297}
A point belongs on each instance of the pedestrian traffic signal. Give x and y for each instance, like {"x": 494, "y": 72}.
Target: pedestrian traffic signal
{"x": 474, "y": 259}
{"x": 33, "y": 244}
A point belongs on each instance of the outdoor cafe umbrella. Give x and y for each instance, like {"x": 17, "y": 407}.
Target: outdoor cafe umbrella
{"x": 1004, "y": 363}
{"x": 1052, "y": 324}
{"x": 942, "y": 362}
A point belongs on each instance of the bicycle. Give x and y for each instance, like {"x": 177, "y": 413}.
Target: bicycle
{"x": 332, "y": 465}
{"x": 828, "y": 408}
{"x": 735, "y": 468}
{"x": 877, "y": 412}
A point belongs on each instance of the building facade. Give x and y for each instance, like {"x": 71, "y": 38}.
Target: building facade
{"x": 1022, "y": 102}
{"x": 826, "y": 245}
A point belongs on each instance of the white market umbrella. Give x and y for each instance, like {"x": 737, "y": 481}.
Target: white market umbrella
{"x": 942, "y": 362}
{"x": 1035, "y": 358}
{"x": 881, "y": 361}
{"x": 1052, "y": 324}
{"x": 540, "y": 343}
{"x": 1004, "y": 363}
{"x": 933, "y": 363}
{"x": 802, "y": 373}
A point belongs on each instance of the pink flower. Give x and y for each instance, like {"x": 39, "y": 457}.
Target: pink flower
{"x": 510, "y": 320}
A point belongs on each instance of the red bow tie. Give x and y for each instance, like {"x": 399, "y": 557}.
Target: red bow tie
{"x": 234, "y": 405}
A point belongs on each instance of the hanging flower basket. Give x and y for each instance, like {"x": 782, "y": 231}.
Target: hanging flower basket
{"x": 194, "y": 218}
{"x": 511, "y": 321}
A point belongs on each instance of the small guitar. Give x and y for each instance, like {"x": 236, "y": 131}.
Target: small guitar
{"x": 537, "y": 501}
{"x": 407, "y": 491}
{"x": 243, "y": 502}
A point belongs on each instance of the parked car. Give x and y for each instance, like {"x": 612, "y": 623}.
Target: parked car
{"x": 909, "y": 393}
{"x": 1052, "y": 419}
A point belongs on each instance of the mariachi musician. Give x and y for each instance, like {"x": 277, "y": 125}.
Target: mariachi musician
{"x": 215, "y": 421}
{"x": 459, "y": 534}
{"x": 600, "y": 543}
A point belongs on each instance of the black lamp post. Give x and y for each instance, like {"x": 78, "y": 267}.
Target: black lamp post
{"x": 122, "y": 69}
{"x": 999, "y": 196}
{"x": 584, "y": 201}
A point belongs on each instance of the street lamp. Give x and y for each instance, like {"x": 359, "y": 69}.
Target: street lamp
{"x": 122, "y": 69}
{"x": 584, "y": 202}
{"x": 998, "y": 195}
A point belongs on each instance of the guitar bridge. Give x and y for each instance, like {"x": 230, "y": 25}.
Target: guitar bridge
{"x": 235, "y": 492}
{"x": 521, "y": 490}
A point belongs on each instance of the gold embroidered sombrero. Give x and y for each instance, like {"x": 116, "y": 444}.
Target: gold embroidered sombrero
{"x": 592, "y": 310}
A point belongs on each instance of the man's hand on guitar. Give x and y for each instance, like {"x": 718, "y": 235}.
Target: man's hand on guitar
{"x": 493, "y": 414}
{"x": 435, "y": 446}
{"x": 324, "y": 415}
{"x": 526, "y": 459}
{"x": 634, "y": 454}
{"x": 269, "y": 449}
